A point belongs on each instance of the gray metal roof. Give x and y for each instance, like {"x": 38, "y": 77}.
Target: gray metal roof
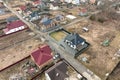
{"x": 75, "y": 38}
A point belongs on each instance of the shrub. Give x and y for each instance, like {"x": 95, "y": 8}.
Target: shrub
{"x": 92, "y": 17}
{"x": 101, "y": 20}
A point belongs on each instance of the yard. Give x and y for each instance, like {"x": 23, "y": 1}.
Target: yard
{"x": 58, "y": 35}
{"x": 18, "y": 51}
{"x": 71, "y": 72}
{"x": 21, "y": 69}
{"x": 100, "y": 58}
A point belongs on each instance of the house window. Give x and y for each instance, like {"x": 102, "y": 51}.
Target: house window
{"x": 73, "y": 46}
{"x": 57, "y": 74}
{"x": 68, "y": 43}
{"x": 82, "y": 43}
{"x": 8, "y": 32}
{"x": 12, "y": 30}
{"x": 22, "y": 27}
{"x": 16, "y": 29}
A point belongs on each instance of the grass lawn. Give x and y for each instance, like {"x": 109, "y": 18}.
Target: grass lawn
{"x": 58, "y": 35}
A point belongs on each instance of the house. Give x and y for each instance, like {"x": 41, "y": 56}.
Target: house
{"x": 54, "y": 6}
{"x": 74, "y": 40}
{"x": 36, "y": 2}
{"x": 14, "y": 27}
{"x": 72, "y": 43}
{"x": 68, "y": 1}
{"x": 42, "y": 56}
{"x": 76, "y": 2}
{"x": 59, "y": 17}
{"x": 57, "y": 72}
{"x": 47, "y": 23}
{"x": 23, "y": 7}
{"x": 43, "y": 6}
{"x": 11, "y": 19}
{"x": 75, "y": 44}
{"x": 84, "y": 1}
{"x": 2, "y": 11}
{"x": 34, "y": 15}
{"x": 26, "y": 9}
{"x": 83, "y": 12}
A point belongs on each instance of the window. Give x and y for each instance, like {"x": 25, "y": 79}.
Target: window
{"x": 82, "y": 43}
{"x": 16, "y": 29}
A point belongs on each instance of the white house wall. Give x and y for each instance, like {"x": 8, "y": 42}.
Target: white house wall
{"x": 47, "y": 76}
{"x": 15, "y": 30}
{"x": 68, "y": 1}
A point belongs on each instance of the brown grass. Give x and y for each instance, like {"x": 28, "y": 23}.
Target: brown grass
{"x": 100, "y": 58}
{"x": 58, "y": 35}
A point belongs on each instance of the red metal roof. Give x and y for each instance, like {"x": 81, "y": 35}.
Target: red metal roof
{"x": 84, "y": 10}
{"x": 37, "y": 2}
{"x": 15, "y": 24}
{"x": 23, "y": 8}
{"x": 42, "y": 55}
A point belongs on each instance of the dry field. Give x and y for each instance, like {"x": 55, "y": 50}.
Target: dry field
{"x": 17, "y": 2}
{"x": 17, "y": 52}
{"x": 14, "y": 38}
{"x": 100, "y": 59}
{"x": 17, "y": 69}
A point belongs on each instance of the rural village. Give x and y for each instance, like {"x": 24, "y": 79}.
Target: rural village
{"x": 59, "y": 39}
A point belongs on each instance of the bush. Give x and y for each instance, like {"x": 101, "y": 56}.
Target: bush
{"x": 101, "y": 20}
{"x": 92, "y": 17}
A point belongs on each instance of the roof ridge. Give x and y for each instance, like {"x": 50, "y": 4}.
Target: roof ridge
{"x": 39, "y": 58}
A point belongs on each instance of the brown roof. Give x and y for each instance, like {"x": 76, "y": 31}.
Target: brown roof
{"x": 58, "y": 71}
